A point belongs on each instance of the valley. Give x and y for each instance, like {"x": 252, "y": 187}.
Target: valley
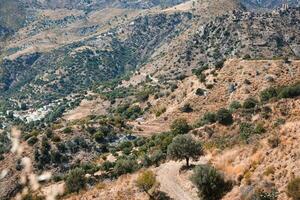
{"x": 154, "y": 99}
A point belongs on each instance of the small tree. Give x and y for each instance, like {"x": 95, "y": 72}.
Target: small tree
{"x": 180, "y": 126}
{"x": 75, "y": 180}
{"x": 146, "y": 181}
{"x": 210, "y": 183}
{"x": 184, "y": 147}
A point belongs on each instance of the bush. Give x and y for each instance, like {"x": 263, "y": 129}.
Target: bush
{"x": 159, "y": 110}
{"x": 293, "y": 189}
{"x": 274, "y": 141}
{"x": 124, "y": 166}
{"x": 67, "y": 130}
{"x": 250, "y": 103}
{"x": 31, "y": 141}
{"x": 224, "y": 117}
{"x": 186, "y": 108}
{"x": 75, "y": 180}
{"x": 246, "y": 130}
{"x": 146, "y": 181}
{"x": 184, "y": 147}
{"x": 268, "y": 94}
{"x": 107, "y": 165}
{"x": 263, "y": 195}
{"x": 209, "y": 182}
{"x": 209, "y": 118}
{"x": 289, "y": 91}
{"x": 180, "y": 126}
{"x": 200, "y": 92}
{"x": 157, "y": 157}
{"x": 99, "y": 137}
{"x": 235, "y": 105}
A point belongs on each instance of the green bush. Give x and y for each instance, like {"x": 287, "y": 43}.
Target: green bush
{"x": 157, "y": 156}
{"x": 224, "y": 116}
{"x": 293, "y": 189}
{"x": 186, "y": 108}
{"x": 124, "y": 166}
{"x": 235, "y": 105}
{"x": 67, "y": 130}
{"x": 209, "y": 182}
{"x": 246, "y": 130}
{"x": 289, "y": 91}
{"x": 75, "y": 180}
{"x": 180, "y": 126}
{"x": 146, "y": 181}
{"x": 200, "y": 92}
{"x": 99, "y": 137}
{"x": 268, "y": 94}
{"x": 250, "y": 103}
{"x": 210, "y": 117}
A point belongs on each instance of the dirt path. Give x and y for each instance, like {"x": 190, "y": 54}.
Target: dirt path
{"x": 177, "y": 185}
{"x": 167, "y": 176}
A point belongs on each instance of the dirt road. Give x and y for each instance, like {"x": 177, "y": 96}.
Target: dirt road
{"x": 177, "y": 185}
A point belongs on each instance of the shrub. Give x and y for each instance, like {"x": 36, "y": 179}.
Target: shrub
{"x": 209, "y": 182}
{"x": 146, "y": 181}
{"x": 268, "y": 94}
{"x": 124, "y": 166}
{"x": 31, "y": 141}
{"x": 180, "y": 126}
{"x": 263, "y": 195}
{"x": 235, "y": 105}
{"x": 99, "y": 137}
{"x": 159, "y": 110}
{"x": 184, "y": 147}
{"x": 224, "y": 117}
{"x": 274, "y": 141}
{"x": 186, "y": 108}
{"x": 259, "y": 128}
{"x": 209, "y": 118}
{"x": 246, "y": 130}
{"x": 289, "y": 91}
{"x": 107, "y": 165}
{"x": 75, "y": 180}
{"x": 250, "y": 103}
{"x": 269, "y": 170}
{"x": 200, "y": 92}
{"x": 67, "y": 130}
{"x": 293, "y": 189}
{"x": 157, "y": 156}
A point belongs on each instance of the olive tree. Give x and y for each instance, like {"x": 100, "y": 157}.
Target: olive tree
{"x": 184, "y": 147}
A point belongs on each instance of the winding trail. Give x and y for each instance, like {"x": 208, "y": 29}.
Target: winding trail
{"x": 177, "y": 185}
{"x": 167, "y": 176}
